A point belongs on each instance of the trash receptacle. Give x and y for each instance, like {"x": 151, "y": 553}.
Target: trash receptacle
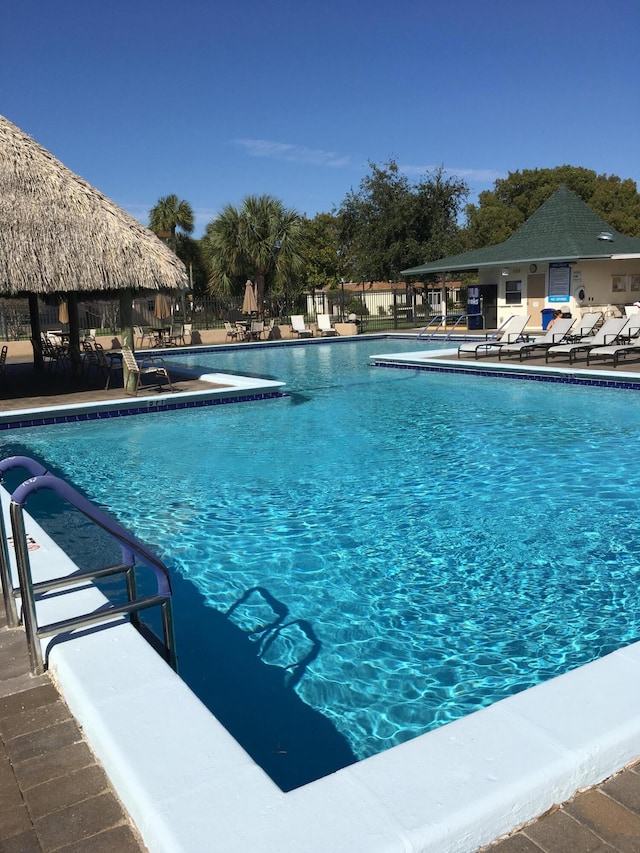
{"x": 547, "y": 316}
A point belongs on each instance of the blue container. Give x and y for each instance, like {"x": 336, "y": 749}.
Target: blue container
{"x": 547, "y": 316}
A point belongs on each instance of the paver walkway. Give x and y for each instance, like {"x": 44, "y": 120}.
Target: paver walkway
{"x": 605, "y": 819}
{"x": 53, "y": 793}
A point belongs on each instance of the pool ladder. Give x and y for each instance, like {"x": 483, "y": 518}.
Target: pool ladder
{"x": 27, "y": 590}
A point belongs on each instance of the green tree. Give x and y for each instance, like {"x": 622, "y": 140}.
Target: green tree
{"x": 262, "y": 240}
{"x": 391, "y": 223}
{"x": 190, "y": 253}
{"x": 501, "y": 211}
{"x": 323, "y": 253}
{"x": 170, "y": 214}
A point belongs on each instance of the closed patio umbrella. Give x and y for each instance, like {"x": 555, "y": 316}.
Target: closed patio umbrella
{"x": 249, "y": 304}
{"x": 63, "y": 313}
{"x": 161, "y": 309}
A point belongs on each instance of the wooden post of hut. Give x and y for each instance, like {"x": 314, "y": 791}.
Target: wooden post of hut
{"x": 36, "y": 331}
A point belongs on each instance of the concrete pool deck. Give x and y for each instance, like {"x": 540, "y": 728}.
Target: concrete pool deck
{"x": 453, "y": 789}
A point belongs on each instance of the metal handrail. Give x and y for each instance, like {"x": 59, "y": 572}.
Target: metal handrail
{"x": 131, "y": 548}
{"x": 34, "y": 469}
{"x": 441, "y": 319}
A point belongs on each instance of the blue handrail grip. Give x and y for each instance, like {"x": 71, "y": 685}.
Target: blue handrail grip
{"x": 92, "y": 512}
{"x": 34, "y": 468}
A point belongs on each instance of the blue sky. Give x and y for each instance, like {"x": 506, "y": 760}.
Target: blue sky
{"x": 216, "y": 101}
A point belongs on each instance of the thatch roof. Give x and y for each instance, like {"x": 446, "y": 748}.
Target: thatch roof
{"x": 58, "y": 234}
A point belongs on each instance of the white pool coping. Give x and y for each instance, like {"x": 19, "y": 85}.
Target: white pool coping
{"x": 223, "y": 386}
{"x": 449, "y": 359}
{"x": 189, "y": 786}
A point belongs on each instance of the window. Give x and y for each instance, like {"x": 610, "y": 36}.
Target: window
{"x": 513, "y": 292}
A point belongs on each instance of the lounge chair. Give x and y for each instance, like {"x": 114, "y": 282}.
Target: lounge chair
{"x": 606, "y": 335}
{"x": 585, "y": 327}
{"x": 554, "y": 335}
{"x": 324, "y": 325}
{"x": 510, "y": 332}
{"x": 298, "y": 326}
{"x": 629, "y": 342}
{"x": 148, "y": 366}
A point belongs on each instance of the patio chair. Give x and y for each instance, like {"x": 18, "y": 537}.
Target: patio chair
{"x": 143, "y": 334}
{"x": 232, "y": 331}
{"x": 147, "y": 366}
{"x": 54, "y": 349}
{"x": 176, "y": 335}
{"x": 298, "y": 326}
{"x": 186, "y": 333}
{"x": 89, "y": 357}
{"x": 510, "y": 332}
{"x": 105, "y": 364}
{"x": 606, "y": 335}
{"x": 256, "y": 330}
{"x": 554, "y": 335}
{"x": 3, "y": 358}
{"x": 324, "y": 325}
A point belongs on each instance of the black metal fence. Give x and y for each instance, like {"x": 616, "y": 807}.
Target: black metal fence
{"x": 373, "y": 310}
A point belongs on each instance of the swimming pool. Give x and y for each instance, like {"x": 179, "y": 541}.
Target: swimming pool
{"x": 379, "y": 553}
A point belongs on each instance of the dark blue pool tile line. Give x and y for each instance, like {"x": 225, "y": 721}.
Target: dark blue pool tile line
{"x": 199, "y": 349}
{"x": 567, "y": 379}
{"x": 144, "y": 409}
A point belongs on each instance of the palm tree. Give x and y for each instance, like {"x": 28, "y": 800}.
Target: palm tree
{"x": 171, "y": 213}
{"x": 261, "y": 239}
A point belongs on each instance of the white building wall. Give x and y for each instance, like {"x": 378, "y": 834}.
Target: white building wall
{"x": 598, "y": 285}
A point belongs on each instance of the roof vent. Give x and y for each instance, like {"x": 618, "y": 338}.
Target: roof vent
{"x": 606, "y": 236}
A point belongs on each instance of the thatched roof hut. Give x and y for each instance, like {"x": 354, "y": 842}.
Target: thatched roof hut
{"x": 58, "y": 234}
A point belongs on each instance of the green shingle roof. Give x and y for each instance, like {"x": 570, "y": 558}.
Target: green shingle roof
{"x": 564, "y": 228}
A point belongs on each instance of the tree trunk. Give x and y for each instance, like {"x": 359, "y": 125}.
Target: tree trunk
{"x": 260, "y": 279}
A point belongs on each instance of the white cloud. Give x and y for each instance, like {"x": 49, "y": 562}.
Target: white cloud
{"x": 291, "y": 153}
{"x": 474, "y": 176}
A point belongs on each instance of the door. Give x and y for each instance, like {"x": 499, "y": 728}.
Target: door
{"x": 489, "y": 303}
{"x": 536, "y": 293}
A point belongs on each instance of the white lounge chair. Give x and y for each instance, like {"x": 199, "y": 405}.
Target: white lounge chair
{"x": 585, "y": 326}
{"x": 606, "y": 335}
{"x": 298, "y": 326}
{"x": 554, "y": 335}
{"x": 510, "y": 332}
{"x": 629, "y": 342}
{"x": 324, "y": 325}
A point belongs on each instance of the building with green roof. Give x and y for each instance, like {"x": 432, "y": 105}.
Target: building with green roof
{"x": 564, "y": 256}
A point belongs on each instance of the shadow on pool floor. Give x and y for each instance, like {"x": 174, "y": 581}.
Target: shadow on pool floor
{"x": 292, "y": 742}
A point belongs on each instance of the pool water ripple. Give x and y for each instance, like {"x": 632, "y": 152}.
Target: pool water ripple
{"x": 438, "y": 542}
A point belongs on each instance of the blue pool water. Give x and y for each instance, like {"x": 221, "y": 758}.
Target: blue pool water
{"x": 382, "y": 551}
